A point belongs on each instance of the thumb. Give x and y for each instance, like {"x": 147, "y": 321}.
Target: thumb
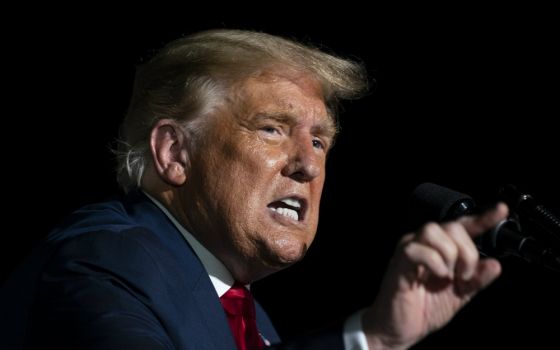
{"x": 486, "y": 272}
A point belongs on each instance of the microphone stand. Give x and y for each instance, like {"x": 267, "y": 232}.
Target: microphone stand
{"x": 526, "y": 206}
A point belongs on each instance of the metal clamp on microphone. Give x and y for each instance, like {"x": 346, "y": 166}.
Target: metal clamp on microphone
{"x": 506, "y": 239}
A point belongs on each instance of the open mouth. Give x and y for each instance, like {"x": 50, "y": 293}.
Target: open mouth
{"x": 291, "y": 207}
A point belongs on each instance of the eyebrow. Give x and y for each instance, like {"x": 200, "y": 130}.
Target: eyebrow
{"x": 326, "y": 128}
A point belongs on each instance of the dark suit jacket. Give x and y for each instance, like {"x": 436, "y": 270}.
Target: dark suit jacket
{"x": 119, "y": 275}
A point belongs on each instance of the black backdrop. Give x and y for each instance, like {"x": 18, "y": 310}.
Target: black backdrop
{"x": 462, "y": 97}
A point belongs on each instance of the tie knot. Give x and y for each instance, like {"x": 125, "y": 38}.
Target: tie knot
{"x": 238, "y": 301}
{"x": 240, "y": 311}
{"x": 237, "y": 291}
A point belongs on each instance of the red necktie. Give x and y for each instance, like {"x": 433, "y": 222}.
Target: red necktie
{"x": 240, "y": 310}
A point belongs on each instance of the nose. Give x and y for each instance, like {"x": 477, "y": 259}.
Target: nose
{"x": 304, "y": 161}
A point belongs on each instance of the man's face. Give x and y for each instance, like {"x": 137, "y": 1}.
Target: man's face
{"x": 254, "y": 185}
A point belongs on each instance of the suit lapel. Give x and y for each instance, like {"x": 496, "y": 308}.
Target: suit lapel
{"x": 265, "y": 327}
{"x": 213, "y": 315}
{"x": 189, "y": 277}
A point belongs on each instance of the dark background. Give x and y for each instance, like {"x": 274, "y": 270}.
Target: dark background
{"x": 463, "y": 97}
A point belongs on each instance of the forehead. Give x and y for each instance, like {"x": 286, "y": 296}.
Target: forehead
{"x": 295, "y": 94}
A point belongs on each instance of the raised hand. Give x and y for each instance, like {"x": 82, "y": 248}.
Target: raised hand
{"x": 433, "y": 273}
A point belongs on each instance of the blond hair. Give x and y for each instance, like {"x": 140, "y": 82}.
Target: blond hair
{"x": 190, "y": 76}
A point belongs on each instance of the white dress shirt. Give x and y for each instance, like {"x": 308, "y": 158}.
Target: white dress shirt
{"x": 222, "y": 280}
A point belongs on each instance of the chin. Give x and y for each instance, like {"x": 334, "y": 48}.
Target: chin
{"x": 285, "y": 252}
{"x": 272, "y": 256}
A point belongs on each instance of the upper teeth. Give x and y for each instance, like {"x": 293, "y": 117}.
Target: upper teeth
{"x": 291, "y": 202}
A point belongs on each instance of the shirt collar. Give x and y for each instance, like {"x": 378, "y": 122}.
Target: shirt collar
{"x": 221, "y": 278}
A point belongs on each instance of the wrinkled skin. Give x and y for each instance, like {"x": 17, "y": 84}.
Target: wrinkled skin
{"x": 268, "y": 142}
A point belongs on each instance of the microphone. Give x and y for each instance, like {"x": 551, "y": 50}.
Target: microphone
{"x": 432, "y": 202}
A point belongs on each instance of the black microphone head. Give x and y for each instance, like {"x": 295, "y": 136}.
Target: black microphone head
{"x": 431, "y": 202}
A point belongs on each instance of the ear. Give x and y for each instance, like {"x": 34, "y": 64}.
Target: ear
{"x": 169, "y": 147}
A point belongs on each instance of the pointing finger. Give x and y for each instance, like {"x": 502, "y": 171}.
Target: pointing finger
{"x": 478, "y": 224}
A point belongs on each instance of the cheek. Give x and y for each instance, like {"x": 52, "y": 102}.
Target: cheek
{"x": 255, "y": 169}
{"x": 275, "y": 161}
{"x": 240, "y": 188}
{"x": 317, "y": 188}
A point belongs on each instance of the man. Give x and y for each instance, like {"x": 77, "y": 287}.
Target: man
{"x": 223, "y": 160}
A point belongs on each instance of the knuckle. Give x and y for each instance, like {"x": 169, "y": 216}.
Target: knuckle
{"x": 409, "y": 248}
{"x": 428, "y": 230}
{"x": 471, "y": 255}
{"x": 432, "y": 258}
{"x": 453, "y": 251}
{"x": 454, "y": 227}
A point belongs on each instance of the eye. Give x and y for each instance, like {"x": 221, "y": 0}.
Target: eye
{"x": 271, "y": 130}
{"x": 318, "y": 144}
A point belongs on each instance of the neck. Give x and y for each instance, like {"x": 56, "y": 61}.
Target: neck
{"x": 242, "y": 269}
